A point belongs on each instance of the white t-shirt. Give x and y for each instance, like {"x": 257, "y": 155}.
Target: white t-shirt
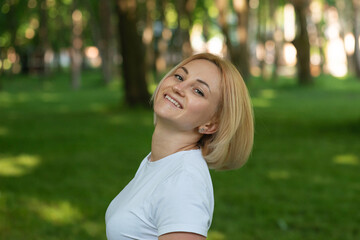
{"x": 173, "y": 194}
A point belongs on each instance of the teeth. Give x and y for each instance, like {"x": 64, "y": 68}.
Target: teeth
{"x": 173, "y": 101}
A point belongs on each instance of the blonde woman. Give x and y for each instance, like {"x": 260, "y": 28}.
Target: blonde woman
{"x": 203, "y": 119}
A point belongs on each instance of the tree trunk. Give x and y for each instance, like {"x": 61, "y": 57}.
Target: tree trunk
{"x": 261, "y": 36}
{"x": 182, "y": 36}
{"x": 148, "y": 39}
{"x": 132, "y": 50}
{"x": 161, "y": 42}
{"x": 222, "y": 6}
{"x": 276, "y": 35}
{"x": 105, "y": 44}
{"x": 301, "y": 43}
{"x": 75, "y": 51}
{"x": 242, "y": 11}
{"x": 43, "y": 37}
{"x": 356, "y": 25}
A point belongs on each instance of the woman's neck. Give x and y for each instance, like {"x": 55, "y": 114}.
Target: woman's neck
{"x": 167, "y": 141}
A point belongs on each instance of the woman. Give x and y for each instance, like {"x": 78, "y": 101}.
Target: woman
{"x": 203, "y": 119}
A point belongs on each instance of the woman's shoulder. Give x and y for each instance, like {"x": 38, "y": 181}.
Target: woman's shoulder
{"x": 190, "y": 174}
{"x": 193, "y": 160}
{"x": 194, "y": 168}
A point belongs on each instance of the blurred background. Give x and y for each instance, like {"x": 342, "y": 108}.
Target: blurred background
{"x": 75, "y": 120}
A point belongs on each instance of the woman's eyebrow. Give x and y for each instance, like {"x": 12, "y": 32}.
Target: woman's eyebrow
{"x": 203, "y": 82}
{"x": 185, "y": 70}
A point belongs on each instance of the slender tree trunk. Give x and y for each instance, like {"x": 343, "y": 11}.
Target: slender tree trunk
{"x": 189, "y": 8}
{"x": 148, "y": 38}
{"x": 356, "y": 24}
{"x": 276, "y": 37}
{"x": 182, "y": 36}
{"x": 75, "y": 51}
{"x": 161, "y": 40}
{"x": 261, "y": 36}
{"x": 301, "y": 43}
{"x": 222, "y": 6}
{"x": 106, "y": 45}
{"x": 12, "y": 21}
{"x": 242, "y": 11}
{"x": 132, "y": 50}
{"x": 99, "y": 28}
{"x": 43, "y": 37}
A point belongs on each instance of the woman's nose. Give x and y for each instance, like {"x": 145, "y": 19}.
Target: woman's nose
{"x": 179, "y": 89}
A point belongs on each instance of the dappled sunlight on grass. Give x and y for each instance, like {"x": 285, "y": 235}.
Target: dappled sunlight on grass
{"x": 4, "y": 131}
{"x": 346, "y": 159}
{"x": 114, "y": 85}
{"x": 263, "y": 97}
{"x": 7, "y": 99}
{"x": 260, "y": 102}
{"x": 97, "y": 107}
{"x": 88, "y": 146}
{"x": 216, "y": 235}
{"x": 61, "y": 212}
{"x": 49, "y": 97}
{"x": 278, "y": 174}
{"x": 268, "y": 93}
{"x": 18, "y": 166}
{"x": 321, "y": 180}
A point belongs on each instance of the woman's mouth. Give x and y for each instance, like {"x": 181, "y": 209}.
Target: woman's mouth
{"x": 173, "y": 101}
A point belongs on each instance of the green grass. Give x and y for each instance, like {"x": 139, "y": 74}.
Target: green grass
{"x": 65, "y": 154}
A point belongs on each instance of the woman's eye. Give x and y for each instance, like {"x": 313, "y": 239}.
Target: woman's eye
{"x": 179, "y": 77}
{"x": 198, "y": 91}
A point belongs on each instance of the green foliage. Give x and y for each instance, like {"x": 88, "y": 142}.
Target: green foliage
{"x": 65, "y": 154}
{"x": 171, "y": 15}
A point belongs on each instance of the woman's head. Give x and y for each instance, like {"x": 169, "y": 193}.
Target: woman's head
{"x": 227, "y": 140}
{"x": 188, "y": 99}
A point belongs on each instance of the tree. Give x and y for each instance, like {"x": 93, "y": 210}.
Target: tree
{"x": 75, "y": 51}
{"x": 105, "y": 45}
{"x": 241, "y": 8}
{"x": 301, "y": 42}
{"x": 222, "y": 6}
{"x": 102, "y": 34}
{"x": 182, "y": 36}
{"x": 239, "y": 52}
{"x": 43, "y": 35}
{"x": 132, "y": 51}
{"x": 356, "y": 26}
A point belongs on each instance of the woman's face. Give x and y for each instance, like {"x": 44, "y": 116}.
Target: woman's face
{"x": 189, "y": 98}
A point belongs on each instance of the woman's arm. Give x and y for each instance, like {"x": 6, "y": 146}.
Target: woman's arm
{"x": 181, "y": 236}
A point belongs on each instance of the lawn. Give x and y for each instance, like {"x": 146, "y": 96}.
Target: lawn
{"x": 64, "y": 155}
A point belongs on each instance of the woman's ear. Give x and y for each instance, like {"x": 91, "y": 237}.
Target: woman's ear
{"x": 209, "y": 128}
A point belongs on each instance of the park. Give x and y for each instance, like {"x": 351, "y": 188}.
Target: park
{"x": 73, "y": 132}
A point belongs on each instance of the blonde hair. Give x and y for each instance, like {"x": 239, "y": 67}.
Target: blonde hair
{"x": 230, "y": 146}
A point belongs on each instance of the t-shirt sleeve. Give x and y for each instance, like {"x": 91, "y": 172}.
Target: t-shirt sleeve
{"x": 183, "y": 203}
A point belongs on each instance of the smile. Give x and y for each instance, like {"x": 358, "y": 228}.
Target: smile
{"x": 173, "y": 101}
